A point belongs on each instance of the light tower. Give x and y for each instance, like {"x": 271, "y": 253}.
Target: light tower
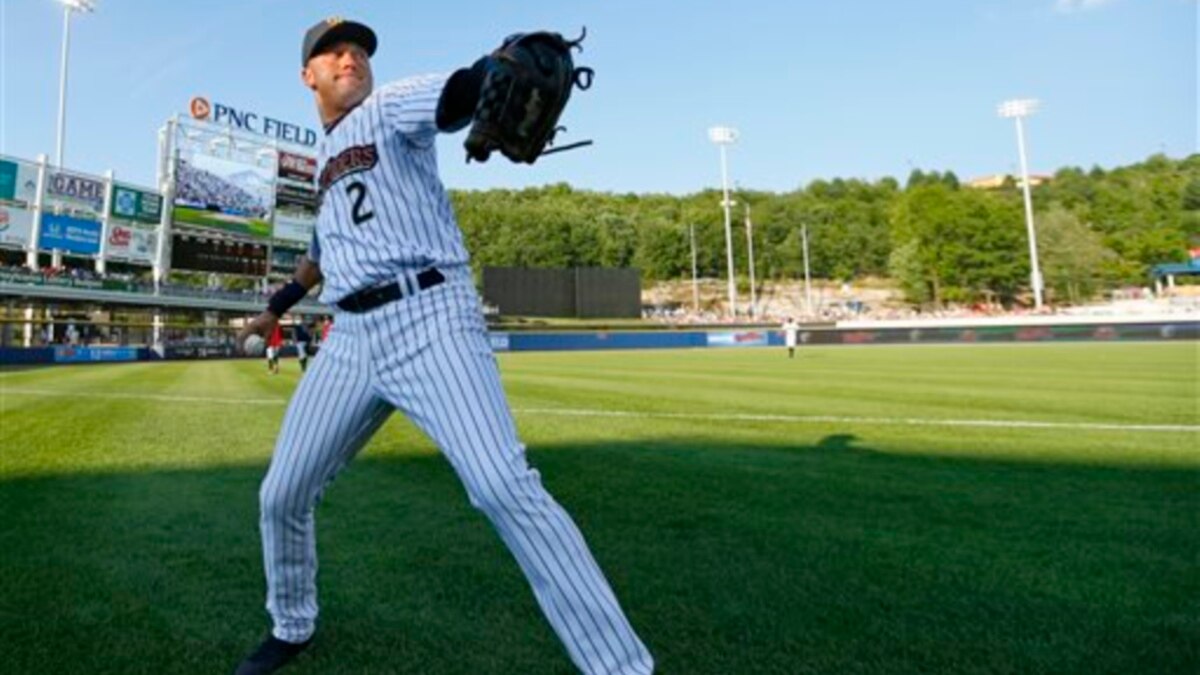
{"x": 69, "y": 6}
{"x": 1018, "y": 110}
{"x": 723, "y": 137}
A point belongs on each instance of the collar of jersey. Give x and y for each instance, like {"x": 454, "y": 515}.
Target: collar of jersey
{"x": 332, "y": 125}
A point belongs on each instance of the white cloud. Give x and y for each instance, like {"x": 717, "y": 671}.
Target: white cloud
{"x": 1069, "y": 6}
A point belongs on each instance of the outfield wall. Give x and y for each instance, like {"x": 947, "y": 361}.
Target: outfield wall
{"x": 67, "y": 354}
{"x": 1106, "y": 331}
{"x": 1099, "y": 331}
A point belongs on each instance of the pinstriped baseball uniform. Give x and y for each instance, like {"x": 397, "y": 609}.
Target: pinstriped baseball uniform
{"x": 385, "y": 217}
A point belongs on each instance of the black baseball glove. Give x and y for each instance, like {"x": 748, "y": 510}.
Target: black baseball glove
{"x": 522, "y": 89}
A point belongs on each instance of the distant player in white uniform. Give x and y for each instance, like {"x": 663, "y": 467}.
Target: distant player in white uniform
{"x": 791, "y": 329}
{"x": 410, "y": 336}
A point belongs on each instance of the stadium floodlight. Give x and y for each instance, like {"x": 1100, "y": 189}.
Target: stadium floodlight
{"x": 69, "y": 6}
{"x": 1019, "y": 109}
{"x": 723, "y": 137}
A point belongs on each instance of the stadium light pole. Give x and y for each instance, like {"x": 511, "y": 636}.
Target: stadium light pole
{"x": 723, "y": 137}
{"x": 807, "y": 279}
{"x": 750, "y": 252}
{"x": 695, "y": 280}
{"x": 1018, "y": 110}
{"x": 69, "y": 6}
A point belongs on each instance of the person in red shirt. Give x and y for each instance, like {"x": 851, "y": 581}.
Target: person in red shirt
{"x": 274, "y": 344}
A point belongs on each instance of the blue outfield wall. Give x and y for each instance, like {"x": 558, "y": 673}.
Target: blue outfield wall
{"x": 66, "y": 354}
{"x": 524, "y": 342}
{"x": 18, "y": 356}
{"x": 604, "y": 340}
{"x": 1097, "y": 332}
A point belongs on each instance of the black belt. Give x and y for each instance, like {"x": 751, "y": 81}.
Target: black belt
{"x": 369, "y": 298}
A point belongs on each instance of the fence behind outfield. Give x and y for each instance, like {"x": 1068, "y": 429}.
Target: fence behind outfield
{"x": 1111, "y": 330}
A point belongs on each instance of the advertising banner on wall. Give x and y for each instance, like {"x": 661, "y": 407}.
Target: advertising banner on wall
{"x": 76, "y": 190}
{"x": 295, "y": 213}
{"x": 18, "y": 182}
{"x": 297, "y": 167}
{"x": 284, "y": 260}
{"x": 224, "y": 193}
{"x": 498, "y": 341}
{"x": 66, "y": 233}
{"x": 141, "y": 206}
{"x": 738, "y": 339}
{"x": 131, "y": 243}
{"x": 65, "y": 354}
{"x": 16, "y": 226}
{"x": 294, "y": 230}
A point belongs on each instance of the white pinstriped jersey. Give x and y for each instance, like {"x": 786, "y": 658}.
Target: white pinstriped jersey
{"x": 383, "y": 209}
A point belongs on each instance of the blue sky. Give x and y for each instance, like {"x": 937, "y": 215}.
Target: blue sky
{"x": 817, "y": 89}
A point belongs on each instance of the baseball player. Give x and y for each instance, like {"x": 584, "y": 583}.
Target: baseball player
{"x": 302, "y": 338}
{"x": 274, "y": 344}
{"x": 410, "y": 336}
{"x": 790, "y": 331}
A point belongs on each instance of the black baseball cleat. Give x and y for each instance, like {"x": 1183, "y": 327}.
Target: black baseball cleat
{"x": 270, "y": 656}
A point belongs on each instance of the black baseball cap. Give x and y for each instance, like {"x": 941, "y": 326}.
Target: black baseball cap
{"x": 336, "y": 29}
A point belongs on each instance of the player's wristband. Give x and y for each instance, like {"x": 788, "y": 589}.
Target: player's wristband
{"x": 291, "y": 293}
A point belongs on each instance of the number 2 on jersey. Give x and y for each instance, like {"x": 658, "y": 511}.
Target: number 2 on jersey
{"x": 357, "y": 191}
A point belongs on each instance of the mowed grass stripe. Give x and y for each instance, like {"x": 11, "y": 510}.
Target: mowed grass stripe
{"x": 643, "y": 415}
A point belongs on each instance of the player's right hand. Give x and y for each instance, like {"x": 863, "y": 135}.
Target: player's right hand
{"x": 261, "y": 325}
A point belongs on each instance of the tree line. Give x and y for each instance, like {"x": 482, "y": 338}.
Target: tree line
{"x": 935, "y": 238}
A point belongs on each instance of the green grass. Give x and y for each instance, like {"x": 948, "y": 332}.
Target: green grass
{"x": 128, "y": 541}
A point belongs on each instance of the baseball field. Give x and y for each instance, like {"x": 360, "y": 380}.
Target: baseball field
{"x": 942, "y": 509}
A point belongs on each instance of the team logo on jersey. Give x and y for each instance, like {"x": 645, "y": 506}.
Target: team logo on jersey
{"x": 351, "y": 160}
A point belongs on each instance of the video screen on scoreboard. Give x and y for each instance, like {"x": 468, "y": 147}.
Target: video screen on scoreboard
{"x": 224, "y": 194}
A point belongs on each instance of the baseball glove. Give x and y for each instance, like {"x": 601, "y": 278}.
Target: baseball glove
{"x": 525, "y": 88}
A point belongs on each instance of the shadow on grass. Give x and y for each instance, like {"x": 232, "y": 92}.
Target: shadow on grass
{"x": 831, "y": 558}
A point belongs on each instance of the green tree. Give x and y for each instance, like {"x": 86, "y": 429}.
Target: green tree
{"x": 907, "y": 269}
{"x": 1191, "y": 195}
{"x": 1072, "y": 256}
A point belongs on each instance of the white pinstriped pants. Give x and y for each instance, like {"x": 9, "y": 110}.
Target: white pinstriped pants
{"x": 428, "y": 356}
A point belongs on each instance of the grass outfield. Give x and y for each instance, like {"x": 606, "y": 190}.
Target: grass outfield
{"x": 849, "y": 511}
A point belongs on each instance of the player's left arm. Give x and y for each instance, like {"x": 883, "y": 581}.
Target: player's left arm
{"x": 410, "y": 105}
{"x": 419, "y": 107}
